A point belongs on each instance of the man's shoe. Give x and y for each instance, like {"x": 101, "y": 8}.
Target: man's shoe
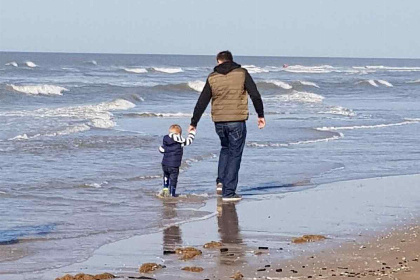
{"x": 219, "y": 188}
{"x": 234, "y": 198}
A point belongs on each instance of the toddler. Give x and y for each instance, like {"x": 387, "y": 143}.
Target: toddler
{"x": 172, "y": 150}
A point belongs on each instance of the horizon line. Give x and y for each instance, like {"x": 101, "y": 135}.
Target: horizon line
{"x": 178, "y": 54}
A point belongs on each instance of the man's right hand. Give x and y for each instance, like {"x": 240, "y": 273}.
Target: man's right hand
{"x": 261, "y": 123}
{"x": 191, "y": 128}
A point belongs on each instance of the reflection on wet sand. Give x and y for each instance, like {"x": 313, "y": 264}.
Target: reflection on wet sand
{"x": 229, "y": 231}
{"x": 172, "y": 234}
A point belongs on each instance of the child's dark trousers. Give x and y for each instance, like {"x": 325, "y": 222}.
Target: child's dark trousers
{"x": 170, "y": 178}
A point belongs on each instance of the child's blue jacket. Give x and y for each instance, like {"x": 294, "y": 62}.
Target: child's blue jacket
{"x": 173, "y": 148}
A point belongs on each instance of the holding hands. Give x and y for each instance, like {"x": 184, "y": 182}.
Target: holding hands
{"x": 192, "y": 128}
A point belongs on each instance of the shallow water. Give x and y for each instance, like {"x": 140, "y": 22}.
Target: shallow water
{"x": 79, "y": 136}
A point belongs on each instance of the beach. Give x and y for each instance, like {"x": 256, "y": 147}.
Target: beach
{"x": 80, "y": 166}
{"x": 371, "y": 228}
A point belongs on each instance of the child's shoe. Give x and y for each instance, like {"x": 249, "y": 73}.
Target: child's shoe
{"x": 164, "y": 192}
{"x": 173, "y": 190}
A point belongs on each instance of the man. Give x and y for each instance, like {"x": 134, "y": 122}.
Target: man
{"x": 228, "y": 88}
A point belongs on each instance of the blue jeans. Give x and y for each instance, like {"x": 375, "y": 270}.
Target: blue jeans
{"x": 232, "y": 138}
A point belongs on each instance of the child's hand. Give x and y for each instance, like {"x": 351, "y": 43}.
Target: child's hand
{"x": 192, "y": 128}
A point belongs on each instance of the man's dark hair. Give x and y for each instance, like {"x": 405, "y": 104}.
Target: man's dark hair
{"x": 224, "y": 56}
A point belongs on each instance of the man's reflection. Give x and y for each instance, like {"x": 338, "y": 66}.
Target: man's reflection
{"x": 227, "y": 220}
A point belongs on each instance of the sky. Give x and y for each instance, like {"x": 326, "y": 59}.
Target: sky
{"x": 316, "y": 28}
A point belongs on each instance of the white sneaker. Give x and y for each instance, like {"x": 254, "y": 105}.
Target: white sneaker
{"x": 234, "y": 198}
{"x": 219, "y": 188}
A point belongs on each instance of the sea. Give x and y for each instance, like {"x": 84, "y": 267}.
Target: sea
{"x": 79, "y": 138}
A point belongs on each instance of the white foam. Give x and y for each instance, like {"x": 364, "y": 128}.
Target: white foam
{"x": 298, "y": 96}
{"x": 163, "y": 115}
{"x": 12, "y": 63}
{"x": 321, "y": 69}
{"x": 93, "y": 62}
{"x": 197, "y": 85}
{"x": 168, "y": 70}
{"x": 136, "y": 70}
{"x": 312, "y": 84}
{"x": 117, "y": 104}
{"x": 279, "y": 84}
{"x": 102, "y": 123}
{"x": 338, "y": 110}
{"x": 97, "y": 116}
{"x": 39, "y": 89}
{"x": 20, "y": 137}
{"x": 385, "y": 83}
{"x": 30, "y": 64}
{"x": 70, "y": 69}
{"x": 271, "y": 144}
{"x": 391, "y": 68}
{"x": 94, "y": 185}
{"x": 255, "y": 69}
{"x": 333, "y": 128}
{"x": 373, "y": 83}
{"x": 414, "y": 82}
{"x": 67, "y": 131}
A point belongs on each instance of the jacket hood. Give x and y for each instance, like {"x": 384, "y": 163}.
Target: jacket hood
{"x": 226, "y": 67}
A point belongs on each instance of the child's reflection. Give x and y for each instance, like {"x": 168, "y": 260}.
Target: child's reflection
{"x": 172, "y": 234}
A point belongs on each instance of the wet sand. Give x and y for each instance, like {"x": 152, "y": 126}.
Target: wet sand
{"x": 371, "y": 226}
{"x": 394, "y": 255}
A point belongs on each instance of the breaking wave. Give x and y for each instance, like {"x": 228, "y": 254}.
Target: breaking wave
{"x": 298, "y": 96}
{"x": 93, "y": 62}
{"x": 92, "y": 185}
{"x": 309, "y": 69}
{"x": 334, "y": 128}
{"x": 136, "y": 70}
{"x": 159, "y": 115}
{"x": 414, "y": 82}
{"x": 312, "y": 84}
{"x": 385, "y": 83}
{"x": 12, "y": 63}
{"x": 30, "y": 64}
{"x": 374, "y": 83}
{"x": 388, "y": 68}
{"x": 91, "y": 116}
{"x": 338, "y": 110}
{"x": 255, "y": 69}
{"x": 278, "y": 84}
{"x": 39, "y": 89}
{"x": 168, "y": 70}
{"x": 289, "y": 85}
{"x": 197, "y": 85}
{"x": 336, "y": 136}
{"x": 65, "y": 131}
